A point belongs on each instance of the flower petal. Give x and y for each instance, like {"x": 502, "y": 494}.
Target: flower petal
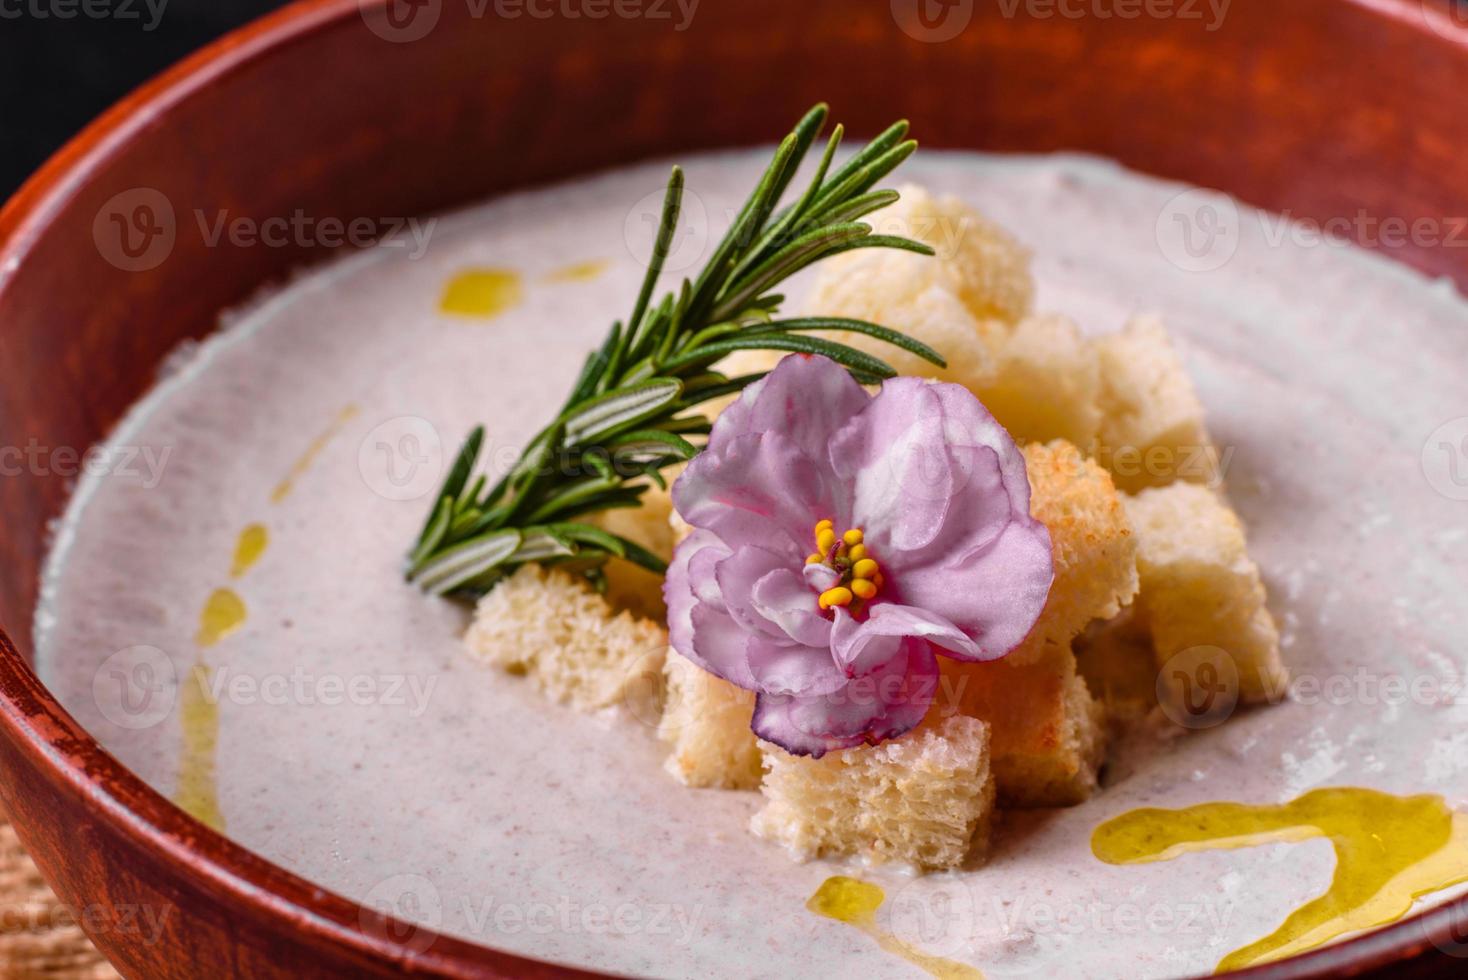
{"x": 737, "y": 576}
{"x": 721, "y": 646}
{"x": 861, "y": 648}
{"x": 796, "y": 670}
{"x": 690, "y": 581}
{"x": 761, "y": 489}
{"x": 807, "y": 398}
{"x": 941, "y": 491}
{"x": 995, "y": 596}
{"x": 782, "y": 597}
{"x": 882, "y": 705}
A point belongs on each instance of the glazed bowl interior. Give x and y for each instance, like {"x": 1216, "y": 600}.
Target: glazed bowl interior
{"x": 328, "y": 109}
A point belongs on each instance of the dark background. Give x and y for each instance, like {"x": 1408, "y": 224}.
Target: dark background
{"x": 57, "y": 74}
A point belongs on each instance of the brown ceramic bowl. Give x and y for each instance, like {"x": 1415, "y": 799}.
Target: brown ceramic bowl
{"x": 339, "y": 107}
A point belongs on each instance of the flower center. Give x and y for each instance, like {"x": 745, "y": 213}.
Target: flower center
{"x": 860, "y": 576}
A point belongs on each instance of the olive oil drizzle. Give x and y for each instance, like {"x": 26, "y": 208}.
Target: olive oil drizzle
{"x": 482, "y": 293}
{"x": 223, "y": 614}
{"x": 1390, "y": 851}
{"x": 856, "y": 902}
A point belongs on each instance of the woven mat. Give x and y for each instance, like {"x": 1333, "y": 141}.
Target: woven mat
{"x": 39, "y": 936}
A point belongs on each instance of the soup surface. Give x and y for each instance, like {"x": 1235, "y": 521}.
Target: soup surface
{"x": 252, "y": 520}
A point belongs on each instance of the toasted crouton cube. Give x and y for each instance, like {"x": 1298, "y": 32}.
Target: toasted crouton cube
{"x": 1200, "y": 589}
{"x": 565, "y": 638}
{"x": 1046, "y": 382}
{"x": 925, "y": 799}
{"x": 1048, "y": 735}
{"x": 1048, "y": 732}
{"x": 630, "y": 586}
{"x": 1152, "y": 430}
{"x": 706, "y": 721}
{"x": 957, "y": 302}
{"x": 1116, "y": 659}
{"x": 1091, "y": 541}
{"x": 982, "y": 263}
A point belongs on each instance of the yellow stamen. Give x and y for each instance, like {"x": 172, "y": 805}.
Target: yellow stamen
{"x": 853, "y": 536}
{"x": 815, "y": 559}
{"x": 866, "y": 568}
{"x": 825, "y": 525}
{"x": 839, "y": 596}
{"x": 857, "y": 552}
{"x": 877, "y": 580}
{"x": 825, "y": 540}
{"x": 863, "y": 588}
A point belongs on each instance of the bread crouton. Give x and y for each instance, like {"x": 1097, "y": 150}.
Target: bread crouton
{"x": 630, "y": 586}
{"x": 1048, "y": 732}
{"x": 1048, "y": 735}
{"x": 1116, "y": 659}
{"x": 1152, "y": 427}
{"x": 1200, "y": 589}
{"x": 956, "y": 302}
{"x": 1091, "y": 542}
{"x": 706, "y": 721}
{"x": 565, "y": 638}
{"x": 926, "y": 799}
{"x": 1046, "y": 382}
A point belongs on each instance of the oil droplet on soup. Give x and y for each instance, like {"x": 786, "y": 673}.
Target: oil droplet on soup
{"x": 856, "y": 903}
{"x": 252, "y": 544}
{"x": 579, "y": 272}
{"x": 298, "y": 469}
{"x": 482, "y": 293}
{"x": 1390, "y": 850}
{"x": 196, "y": 792}
{"x": 223, "y": 613}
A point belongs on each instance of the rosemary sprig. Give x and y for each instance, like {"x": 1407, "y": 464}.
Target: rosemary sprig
{"x": 631, "y": 413}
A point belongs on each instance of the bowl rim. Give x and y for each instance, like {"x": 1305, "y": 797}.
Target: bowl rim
{"x": 36, "y": 724}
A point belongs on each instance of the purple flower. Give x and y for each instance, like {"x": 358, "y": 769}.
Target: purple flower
{"x": 842, "y": 541}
